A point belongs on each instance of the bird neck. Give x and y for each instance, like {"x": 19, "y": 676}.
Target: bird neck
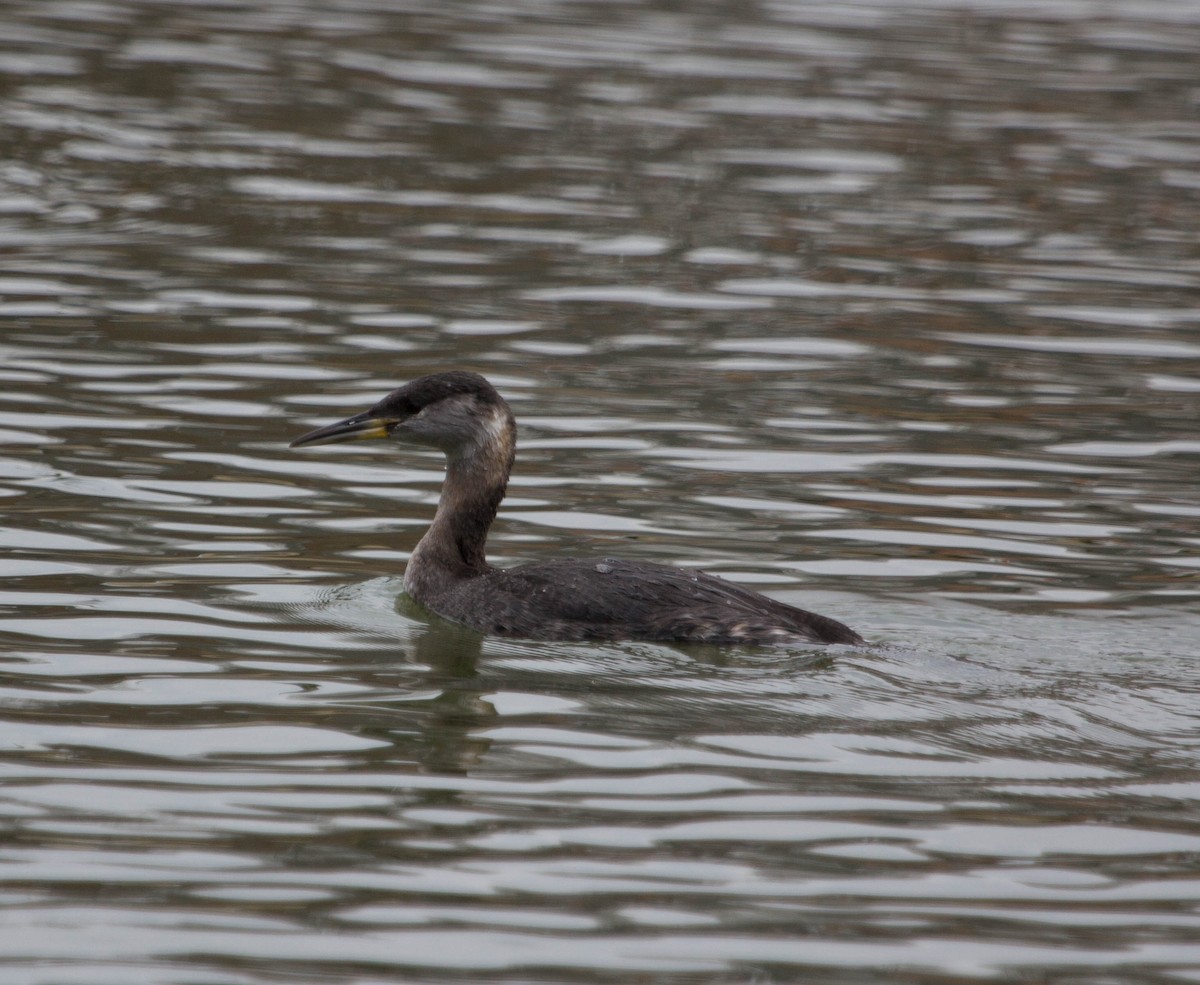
{"x": 454, "y": 547}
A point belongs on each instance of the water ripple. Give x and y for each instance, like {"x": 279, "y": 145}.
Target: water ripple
{"x": 887, "y": 313}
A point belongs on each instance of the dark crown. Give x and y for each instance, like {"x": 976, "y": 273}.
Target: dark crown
{"x": 421, "y": 393}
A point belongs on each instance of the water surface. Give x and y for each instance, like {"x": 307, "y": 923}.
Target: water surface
{"x": 889, "y": 311}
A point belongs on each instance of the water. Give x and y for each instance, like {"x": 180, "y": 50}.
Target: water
{"x": 889, "y": 311}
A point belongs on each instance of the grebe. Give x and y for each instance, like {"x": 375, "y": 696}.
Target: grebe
{"x": 462, "y": 415}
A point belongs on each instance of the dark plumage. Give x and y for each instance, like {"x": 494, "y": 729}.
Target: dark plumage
{"x": 570, "y": 599}
{"x": 607, "y": 598}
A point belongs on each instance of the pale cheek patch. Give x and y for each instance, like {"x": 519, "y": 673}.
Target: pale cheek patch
{"x": 496, "y": 428}
{"x": 490, "y": 435}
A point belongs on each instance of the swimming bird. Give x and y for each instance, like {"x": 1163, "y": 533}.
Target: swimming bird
{"x": 461, "y": 414}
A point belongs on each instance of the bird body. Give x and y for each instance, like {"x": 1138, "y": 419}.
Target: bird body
{"x": 462, "y": 415}
{"x": 610, "y": 599}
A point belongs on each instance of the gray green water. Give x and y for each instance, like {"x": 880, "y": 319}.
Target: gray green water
{"x": 889, "y": 310}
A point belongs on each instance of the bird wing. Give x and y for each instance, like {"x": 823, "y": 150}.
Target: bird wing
{"x": 607, "y": 598}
